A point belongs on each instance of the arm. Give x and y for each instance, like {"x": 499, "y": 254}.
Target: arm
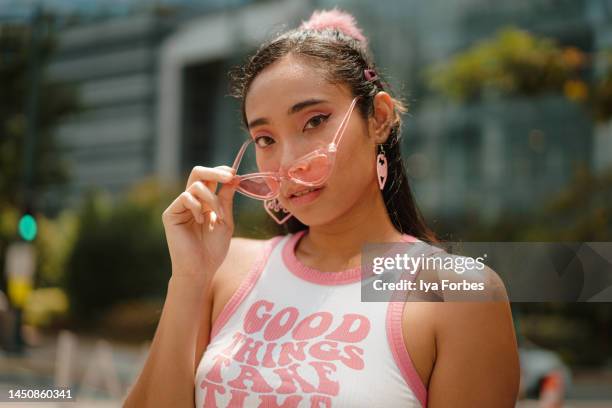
{"x": 240, "y": 257}
{"x": 167, "y": 378}
{"x": 177, "y": 334}
{"x": 477, "y": 361}
{"x": 198, "y": 226}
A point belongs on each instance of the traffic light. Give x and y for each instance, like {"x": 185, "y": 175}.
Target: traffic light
{"x": 27, "y": 226}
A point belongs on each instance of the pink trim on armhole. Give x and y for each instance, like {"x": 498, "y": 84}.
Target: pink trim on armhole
{"x": 245, "y": 287}
{"x": 397, "y": 343}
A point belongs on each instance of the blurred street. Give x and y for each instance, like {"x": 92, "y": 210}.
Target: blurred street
{"x": 37, "y": 369}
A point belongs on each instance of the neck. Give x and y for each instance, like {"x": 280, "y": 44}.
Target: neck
{"x": 338, "y": 245}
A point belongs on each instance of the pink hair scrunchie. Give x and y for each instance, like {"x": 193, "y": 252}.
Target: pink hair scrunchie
{"x": 335, "y": 19}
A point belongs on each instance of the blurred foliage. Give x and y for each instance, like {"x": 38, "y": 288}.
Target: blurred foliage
{"x": 514, "y": 62}
{"x": 581, "y": 212}
{"x": 54, "y": 245}
{"x": 517, "y": 63}
{"x": 131, "y": 320}
{"x": 120, "y": 252}
{"x": 9, "y": 217}
{"x": 601, "y": 102}
{"x": 252, "y": 221}
{"x": 580, "y": 332}
{"x": 44, "y": 305}
{"x": 53, "y": 103}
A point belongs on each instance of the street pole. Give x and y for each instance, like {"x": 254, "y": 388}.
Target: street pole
{"x": 32, "y": 106}
{"x": 27, "y": 198}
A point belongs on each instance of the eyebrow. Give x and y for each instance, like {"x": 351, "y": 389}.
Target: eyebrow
{"x": 291, "y": 111}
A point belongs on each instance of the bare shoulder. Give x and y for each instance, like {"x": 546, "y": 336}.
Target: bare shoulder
{"x": 462, "y": 319}
{"x": 477, "y": 362}
{"x": 241, "y": 255}
{"x": 475, "y": 342}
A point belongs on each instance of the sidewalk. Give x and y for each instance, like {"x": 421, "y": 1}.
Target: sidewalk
{"x": 36, "y": 369}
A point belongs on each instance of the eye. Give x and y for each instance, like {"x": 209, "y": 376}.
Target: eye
{"x": 317, "y": 120}
{"x": 263, "y": 141}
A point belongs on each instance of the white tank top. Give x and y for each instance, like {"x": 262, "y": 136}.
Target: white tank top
{"x": 295, "y": 337}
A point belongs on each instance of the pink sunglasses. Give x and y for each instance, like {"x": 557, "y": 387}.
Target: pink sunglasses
{"x": 311, "y": 170}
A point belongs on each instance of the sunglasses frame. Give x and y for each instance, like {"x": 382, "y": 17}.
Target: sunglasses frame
{"x": 329, "y": 151}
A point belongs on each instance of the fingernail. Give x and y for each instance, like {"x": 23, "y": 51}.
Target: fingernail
{"x": 221, "y": 213}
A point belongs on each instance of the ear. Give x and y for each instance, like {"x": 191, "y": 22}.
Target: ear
{"x": 381, "y": 120}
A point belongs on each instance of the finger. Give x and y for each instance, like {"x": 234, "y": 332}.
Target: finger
{"x": 207, "y": 174}
{"x": 194, "y": 206}
{"x": 213, "y": 185}
{"x": 227, "y": 169}
{"x": 184, "y": 203}
{"x": 225, "y": 195}
{"x": 206, "y": 197}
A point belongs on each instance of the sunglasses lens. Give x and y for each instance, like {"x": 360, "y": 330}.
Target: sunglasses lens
{"x": 260, "y": 187}
{"x": 312, "y": 169}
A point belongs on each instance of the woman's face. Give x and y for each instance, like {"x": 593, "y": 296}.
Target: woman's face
{"x": 292, "y": 110}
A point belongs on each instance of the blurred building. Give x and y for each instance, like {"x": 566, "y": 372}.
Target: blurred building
{"x": 110, "y": 142}
{"x": 154, "y": 87}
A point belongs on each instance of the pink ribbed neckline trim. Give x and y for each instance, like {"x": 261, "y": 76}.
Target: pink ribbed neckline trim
{"x": 316, "y": 276}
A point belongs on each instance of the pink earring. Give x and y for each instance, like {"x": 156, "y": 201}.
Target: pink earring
{"x": 275, "y": 210}
{"x": 381, "y": 167}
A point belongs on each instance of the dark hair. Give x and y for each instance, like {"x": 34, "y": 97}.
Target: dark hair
{"x": 342, "y": 59}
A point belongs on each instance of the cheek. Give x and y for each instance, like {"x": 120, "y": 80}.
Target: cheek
{"x": 267, "y": 162}
{"x": 356, "y": 169}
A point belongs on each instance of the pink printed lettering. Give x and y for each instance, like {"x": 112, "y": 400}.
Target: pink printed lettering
{"x": 304, "y": 330}
{"x": 318, "y": 401}
{"x": 254, "y": 323}
{"x": 250, "y": 347}
{"x": 238, "y": 398}
{"x": 343, "y": 333}
{"x": 248, "y": 373}
{"x": 353, "y": 361}
{"x": 326, "y": 386}
{"x": 289, "y": 352}
{"x": 214, "y": 374}
{"x": 288, "y": 375}
{"x": 275, "y": 329}
{"x": 269, "y": 401}
{"x": 210, "y": 389}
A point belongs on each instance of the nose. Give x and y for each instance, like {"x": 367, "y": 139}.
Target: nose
{"x": 291, "y": 153}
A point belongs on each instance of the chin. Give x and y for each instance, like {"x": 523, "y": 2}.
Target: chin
{"x": 320, "y": 211}
{"x": 315, "y": 217}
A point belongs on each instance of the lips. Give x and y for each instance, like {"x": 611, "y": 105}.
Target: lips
{"x": 304, "y": 197}
{"x": 302, "y": 192}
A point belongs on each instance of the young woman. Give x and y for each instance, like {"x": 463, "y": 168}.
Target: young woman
{"x": 280, "y": 322}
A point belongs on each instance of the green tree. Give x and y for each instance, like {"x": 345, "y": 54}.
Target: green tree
{"x": 53, "y": 102}
{"x": 513, "y": 62}
{"x": 120, "y": 253}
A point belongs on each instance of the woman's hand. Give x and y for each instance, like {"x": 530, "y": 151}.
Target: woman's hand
{"x": 199, "y": 223}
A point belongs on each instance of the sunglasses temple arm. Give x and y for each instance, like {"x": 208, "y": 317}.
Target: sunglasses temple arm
{"x": 240, "y": 154}
{"x": 344, "y": 123}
